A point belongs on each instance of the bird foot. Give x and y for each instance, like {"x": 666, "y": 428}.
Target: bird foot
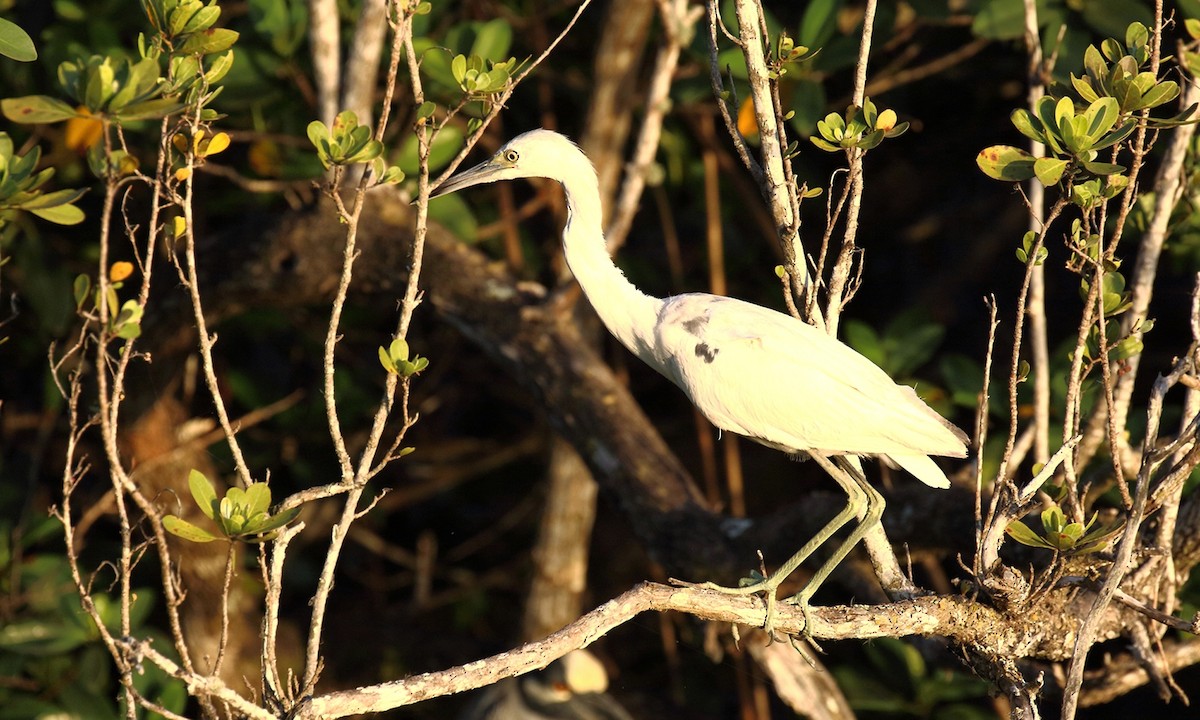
{"x": 752, "y": 585}
{"x": 801, "y": 600}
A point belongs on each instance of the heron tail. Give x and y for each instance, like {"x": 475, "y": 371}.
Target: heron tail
{"x": 923, "y": 469}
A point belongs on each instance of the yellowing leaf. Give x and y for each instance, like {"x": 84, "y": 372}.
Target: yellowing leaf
{"x": 886, "y": 120}
{"x": 265, "y": 158}
{"x": 746, "y": 122}
{"x": 182, "y": 174}
{"x": 82, "y": 132}
{"x": 219, "y": 142}
{"x": 120, "y": 270}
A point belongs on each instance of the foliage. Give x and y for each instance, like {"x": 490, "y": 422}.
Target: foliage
{"x": 896, "y": 681}
{"x": 1114, "y": 88}
{"x": 394, "y": 359}
{"x": 50, "y": 651}
{"x": 1060, "y": 535}
{"x": 186, "y": 60}
{"x": 21, "y": 188}
{"x": 862, "y": 128}
{"x": 240, "y": 515}
{"x": 15, "y": 43}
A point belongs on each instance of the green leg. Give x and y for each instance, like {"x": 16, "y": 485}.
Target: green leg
{"x": 856, "y": 486}
{"x": 769, "y": 585}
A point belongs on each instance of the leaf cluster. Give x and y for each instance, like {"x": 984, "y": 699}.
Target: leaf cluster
{"x": 49, "y": 649}
{"x": 117, "y": 89}
{"x": 394, "y": 359}
{"x": 859, "y": 127}
{"x": 1071, "y": 538}
{"x": 187, "y": 26}
{"x": 125, "y": 323}
{"x": 21, "y": 188}
{"x": 1113, "y": 88}
{"x": 240, "y": 515}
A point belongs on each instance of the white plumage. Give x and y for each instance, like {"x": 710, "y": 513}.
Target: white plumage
{"x": 750, "y": 370}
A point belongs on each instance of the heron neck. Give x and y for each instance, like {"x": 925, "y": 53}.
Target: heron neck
{"x": 628, "y": 313}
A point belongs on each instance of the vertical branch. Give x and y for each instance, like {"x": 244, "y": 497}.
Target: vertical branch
{"x": 362, "y": 61}
{"x": 772, "y": 175}
{"x": 1168, "y": 188}
{"x": 1100, "y": 424}
{"x": 1036, "y": 310}
{"x": 1123, "y": 555}
{"x": 272, "y": 571}
{"x": 841, "y": 270}
{"x": 323, "y": 36}
{"x": 678, "y": 26}
{"x": 107, "y": 397}
{"x": 356, "y": 480}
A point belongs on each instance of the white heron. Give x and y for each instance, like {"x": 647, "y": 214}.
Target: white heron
{"x": 753, "y": 371}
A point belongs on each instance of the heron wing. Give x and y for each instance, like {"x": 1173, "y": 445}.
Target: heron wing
{"x": 784, "y": 383}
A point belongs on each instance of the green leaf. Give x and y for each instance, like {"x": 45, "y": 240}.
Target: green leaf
{"x": 184, "y": 529}
{"x": 203, "y": 493}
{"x": 1099, "y": 168}
{"x": 277, "y": 521}
{"x": 1101, "y": 115}
{"x": 492, "y": 40}
{"x": 1193, "y": 27}
{"x": 36, "y": 109}
{"x": 318, "y": 134}
{"x": 458, "y": 67}
{"x": 60, "y": 214}
{"x": 1000, "y": 20}
{"x": 398, "y": 350}
{"x": 1028, "y": 125}
{"x": 1049, "y": 170}
{"x": 258, "y": 498}
{"x": 863, "y": 338}
{"x": 81, "y": 288}
{"x": 818, "y": 23}
{"x": 446, "y": 144}
{"x": 51, "y": 199}
{"x": 213, "y": 40}
{"x": 1020, "y": 532}
{"x": 1161, "y": 93}
{"x": 386, "y": 360}
{"x": 1005, "y": 162}
{"x": 1083, "y": 86}
{"x": 15, "y": 43}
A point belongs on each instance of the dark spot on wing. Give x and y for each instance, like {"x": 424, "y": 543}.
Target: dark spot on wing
{"x": 696, "y": 324}
{"x": 707, "y": 353}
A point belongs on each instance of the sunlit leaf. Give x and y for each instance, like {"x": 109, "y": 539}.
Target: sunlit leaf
{"x": 184, "y": 529}
{"x": 203, "y": 493}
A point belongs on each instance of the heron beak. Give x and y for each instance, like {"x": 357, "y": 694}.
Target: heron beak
{"x": 484, "y": 172}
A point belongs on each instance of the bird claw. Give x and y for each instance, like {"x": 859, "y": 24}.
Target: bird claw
{"x": 801, "y": 600}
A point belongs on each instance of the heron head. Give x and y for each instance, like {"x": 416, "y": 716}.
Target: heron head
{"x": 537, "y": 153}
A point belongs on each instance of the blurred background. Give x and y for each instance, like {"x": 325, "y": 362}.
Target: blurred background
{"x": 440, "y": 572}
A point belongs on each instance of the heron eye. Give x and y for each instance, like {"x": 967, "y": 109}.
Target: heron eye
{"x": 511, "y": 156}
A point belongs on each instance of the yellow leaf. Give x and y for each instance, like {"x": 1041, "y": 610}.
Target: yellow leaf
{"x": 82, "y": 132}
{"x": 886, "y": 120}
{"x": 182, "y": 174}
{"x": 179, "y": 226}
{"x": 265, "y": 158}
{"x": 746, "y": 123}
{"x": 219, "y": 142}
{"x": 120, "y": 270}
{"x": 180, "y": 142}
